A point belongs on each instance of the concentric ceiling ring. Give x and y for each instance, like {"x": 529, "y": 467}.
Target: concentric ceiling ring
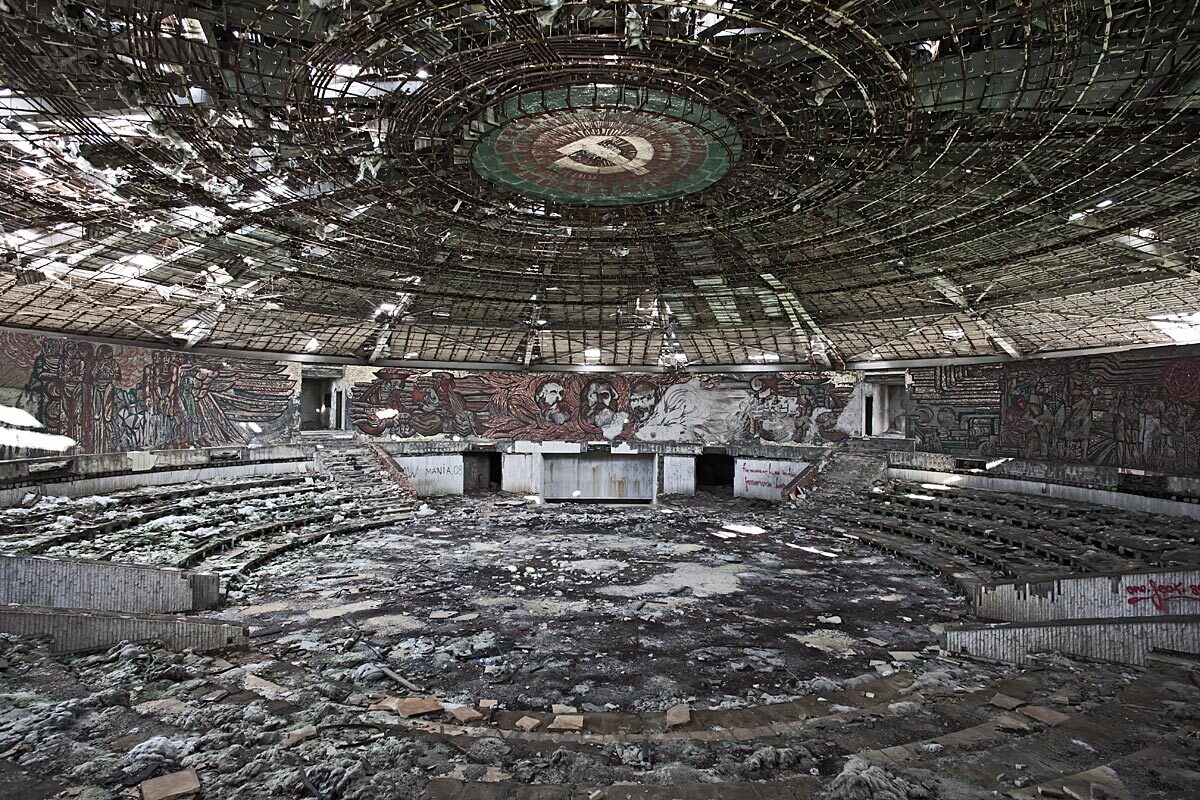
{"x": 606, "y": 146}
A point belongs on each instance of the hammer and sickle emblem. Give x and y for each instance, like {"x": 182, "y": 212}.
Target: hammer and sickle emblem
{"x": 599, "y": 147}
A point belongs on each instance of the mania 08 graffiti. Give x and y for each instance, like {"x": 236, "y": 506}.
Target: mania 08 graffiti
{"x": 785, "y": 407}
{"x": 111, "y": 398}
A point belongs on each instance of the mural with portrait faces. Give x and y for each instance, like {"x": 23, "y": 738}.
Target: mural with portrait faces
{"x": 777, "y": 407}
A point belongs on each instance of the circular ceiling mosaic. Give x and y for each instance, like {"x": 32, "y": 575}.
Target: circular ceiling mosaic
{"x": 605, "y": 146}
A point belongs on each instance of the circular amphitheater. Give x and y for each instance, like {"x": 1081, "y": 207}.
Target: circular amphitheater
{"x": 599, "y": 400}
{"x": 356, "y": 641}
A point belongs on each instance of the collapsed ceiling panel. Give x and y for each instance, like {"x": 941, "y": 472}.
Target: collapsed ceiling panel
{"x": 666, "y": 184}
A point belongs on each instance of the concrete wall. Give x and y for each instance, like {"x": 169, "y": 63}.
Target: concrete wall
{"x": 71, "y": 631}
{"x": 521, "y": 473}
{"x": 679, "y": 475}
{"x": 1121, "y": 641}
{"x": 433, "y": 476}
{"x": 1123, "y": 500}
{"x": 1136, "y": 594}
{"x": 598, "y": 476}
{"x": 98, "y": 585}
{"x": 764, "y": 479}
{"x": 118, "y": 472}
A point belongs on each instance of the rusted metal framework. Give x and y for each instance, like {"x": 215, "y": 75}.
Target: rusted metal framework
{"x": 914, "y": 179}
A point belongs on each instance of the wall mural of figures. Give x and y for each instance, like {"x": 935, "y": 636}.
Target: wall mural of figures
{"x": 783, "y": 407}
{"x": 112, "y": 398}
{"x": 1134, "y": 410}
{"x": 1139, "y": 410}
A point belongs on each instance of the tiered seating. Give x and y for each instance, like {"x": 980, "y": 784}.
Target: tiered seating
{"x": 229, "y": 527}
{"x": 977, "y": 536}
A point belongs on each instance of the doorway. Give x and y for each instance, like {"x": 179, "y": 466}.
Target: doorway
{"x": 317, "y": 404}
{"x": 714, "y": 472}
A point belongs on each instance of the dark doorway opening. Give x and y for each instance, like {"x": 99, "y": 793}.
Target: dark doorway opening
{"x": 315, "y": 399}
{"x": 496, "y": 469}
{"x": 869, "y": 417}
{"x": 714, "y": 471}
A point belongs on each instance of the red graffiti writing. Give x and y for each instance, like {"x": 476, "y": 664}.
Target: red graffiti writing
{"x": 1159, "y": 594}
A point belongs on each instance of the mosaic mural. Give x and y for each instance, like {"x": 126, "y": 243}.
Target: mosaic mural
{"x": 594, "y": 145}
{"x": 956, "y": 409}
{"x": 1138, "y": 410}
{"x": 111, "y": 398}
{"x": 784, "y": 408}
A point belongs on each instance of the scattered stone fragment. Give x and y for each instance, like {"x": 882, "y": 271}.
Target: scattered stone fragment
{"x": 528, "y": 724}
{"x": 298, "y": 735}
{"x": 165, "y": 787}
{"x": 834, "y": 620}
{"x": 1012, "y": 724}
{"x": 723, "y": 534}
{"x": 470, "y": 617}
{"x": 416, "y": 706}
{"x": 904, "y": 655}
{"x": 442, "y": 615}
{"x": 488, "y": 704}
{"x": 559, "y": 708}
{"x": 566, "y": 722}
{"x": 167, "y": 706}
{"x": 466, "y": 714}
{"x": 876, "y": 642}
{"x": 678, "y": 715}
{"x": 749, "y": 530}
{"x": 1006, "y": 701}
{"x": 407, "y": 706}
{"x": 263, "y": 686}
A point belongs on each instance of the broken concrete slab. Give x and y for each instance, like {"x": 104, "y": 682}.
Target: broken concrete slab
{"x": 528, "y": 724}
{"x": 166, "y": 787}
{"x": 1012, "y": 724}
{"x": 263, "y": 686}
{"x": 466, "y": 714}
{"x": 1006, "y": 701}
{"x": 408, "y": 706}
{"x": 163, "y": 707}
{"x": 294, "y": 737}
{"x": 566, "y": 723}
{"x": 1044, "y": 714}
{"x": 678, "y": 715}
{"x": 560, "y": 708}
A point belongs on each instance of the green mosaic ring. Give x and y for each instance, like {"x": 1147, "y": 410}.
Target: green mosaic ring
{"x": 605, "y": 146}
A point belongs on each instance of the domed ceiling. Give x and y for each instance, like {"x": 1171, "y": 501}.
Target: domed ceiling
{"x": 540, "y": 183}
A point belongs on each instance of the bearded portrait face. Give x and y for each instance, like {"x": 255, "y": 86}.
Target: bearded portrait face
{"x": 549, "y": 398}
{"x": 643, "y": 397}
{"x": 600, "y": 402}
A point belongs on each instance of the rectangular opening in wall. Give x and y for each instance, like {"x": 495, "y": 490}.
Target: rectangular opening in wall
{"x": 495, "y": 470}
{"x": 714, "y": 473}
{"x": 316, "y": 412}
